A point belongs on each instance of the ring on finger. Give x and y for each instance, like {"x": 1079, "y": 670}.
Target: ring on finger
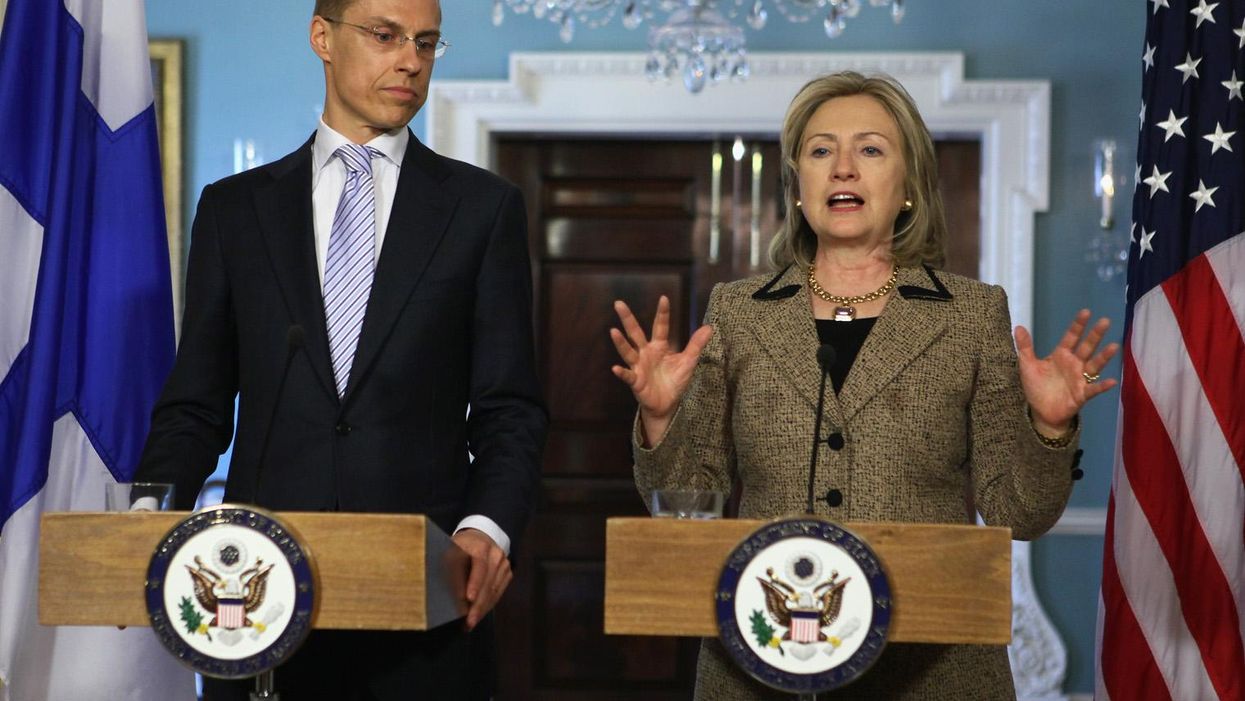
{"x": 1090, "y": 379}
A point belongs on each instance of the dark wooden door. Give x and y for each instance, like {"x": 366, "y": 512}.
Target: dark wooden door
{"x": 625, "y": 219}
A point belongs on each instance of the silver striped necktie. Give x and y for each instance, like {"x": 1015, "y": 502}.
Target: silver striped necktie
{"x": 351, "y": 260}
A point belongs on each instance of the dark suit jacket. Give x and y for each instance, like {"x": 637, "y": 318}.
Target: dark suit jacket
{"x": 448, "y": 326}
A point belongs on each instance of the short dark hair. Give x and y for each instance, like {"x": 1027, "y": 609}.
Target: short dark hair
{"x": 333, "y": 9}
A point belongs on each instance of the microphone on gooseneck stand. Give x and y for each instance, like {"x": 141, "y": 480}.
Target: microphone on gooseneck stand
{"x": 825, "y": 358}
{"x": 294, "y": 337}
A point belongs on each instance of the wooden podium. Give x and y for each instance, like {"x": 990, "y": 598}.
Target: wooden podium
{"x": 375, "y": 571}
{"x": 949, "y": 583}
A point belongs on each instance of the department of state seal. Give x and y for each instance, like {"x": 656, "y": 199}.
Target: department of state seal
{"x": 803, "y": 605}
{"x": 231, "y": 591}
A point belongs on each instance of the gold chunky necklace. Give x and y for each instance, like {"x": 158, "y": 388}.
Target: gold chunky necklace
{"x": 845, "y": 311}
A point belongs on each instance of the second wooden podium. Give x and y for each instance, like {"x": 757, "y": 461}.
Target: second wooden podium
{"x": 949, "y": 583}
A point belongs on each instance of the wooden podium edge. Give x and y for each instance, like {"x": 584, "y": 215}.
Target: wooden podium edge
{"x": 371, "y": 568}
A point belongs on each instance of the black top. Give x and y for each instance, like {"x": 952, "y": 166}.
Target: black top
{"x": 847, "y": 337}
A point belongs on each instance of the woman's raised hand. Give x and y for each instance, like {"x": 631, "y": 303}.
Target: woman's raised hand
{"x": 657, "y": 374}
{"x": 1058, "y": 385}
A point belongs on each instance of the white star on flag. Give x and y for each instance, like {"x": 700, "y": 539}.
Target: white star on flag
{"x": 1132, "y": 233}
{"x": 1148, "y": 57}
{"x": 1204, "y": 12}
{"x": 1157, "y": 181}
{"x": 1219, "y": 139}
{"x": 1172, "y": 125}
{"x": 1145, "y": 241}
{"x": 1137, "y": 177}
{"x": 1189, "y": 67}
{"x": 1141, "y": 117}
{"x": 1240, "y": 33}
{"x": 1203, "y": 195}
{"x": 1234, "y": 87}
{"x": 1158, "y": 4}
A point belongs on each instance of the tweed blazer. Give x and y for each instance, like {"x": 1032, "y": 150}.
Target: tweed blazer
{"x": 930, "y": 414}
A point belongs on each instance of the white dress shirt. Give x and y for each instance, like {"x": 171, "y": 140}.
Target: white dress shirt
{"x": 328, "y": 176}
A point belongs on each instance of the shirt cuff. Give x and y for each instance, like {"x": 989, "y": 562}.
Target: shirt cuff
{"x": 489, "y": 527}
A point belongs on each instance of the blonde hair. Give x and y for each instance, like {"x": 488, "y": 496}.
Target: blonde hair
{"x": 920, "y": 232}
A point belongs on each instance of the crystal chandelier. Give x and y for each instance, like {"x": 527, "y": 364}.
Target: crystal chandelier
{"x": 696, "y": 39}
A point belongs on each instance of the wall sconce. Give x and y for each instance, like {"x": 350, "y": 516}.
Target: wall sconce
{"x": 1106, "y": 249}
{"x": 246, "y": 155}
{"x": 1104, "y": 180}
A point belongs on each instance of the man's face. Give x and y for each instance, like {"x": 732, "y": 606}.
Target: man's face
{"x": 372, "y": 87}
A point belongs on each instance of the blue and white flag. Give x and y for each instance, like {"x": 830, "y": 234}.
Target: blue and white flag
{"x": 86, "y": 321}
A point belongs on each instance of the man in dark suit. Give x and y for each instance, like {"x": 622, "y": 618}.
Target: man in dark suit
{"x": 391, "y": 289}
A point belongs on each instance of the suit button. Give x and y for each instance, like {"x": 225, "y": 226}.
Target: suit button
{"x": 834, "y": 498}
{"x": 835, "y": 441}
{"x": 343, "y": 429}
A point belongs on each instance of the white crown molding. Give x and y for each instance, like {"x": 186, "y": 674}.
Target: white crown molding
{"x": 607, "y": 93}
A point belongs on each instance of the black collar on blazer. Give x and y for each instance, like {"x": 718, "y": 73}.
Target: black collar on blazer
{"x": 767, "y": 293}
{"x": 782, "y": 324}
{"x": 422, "y": 209}
{"x": 939, "y": 293}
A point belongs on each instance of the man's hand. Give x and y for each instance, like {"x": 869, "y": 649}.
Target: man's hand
{"x": 488, "y": 574}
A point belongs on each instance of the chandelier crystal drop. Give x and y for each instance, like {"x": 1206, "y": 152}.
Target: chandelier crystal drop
{"x": 698, "y": 41}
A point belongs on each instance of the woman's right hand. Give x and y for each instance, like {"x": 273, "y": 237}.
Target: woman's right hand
{"x": 657, "y": 374}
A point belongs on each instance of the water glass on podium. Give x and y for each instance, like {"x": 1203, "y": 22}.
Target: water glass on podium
{"x": 687, "y": 503}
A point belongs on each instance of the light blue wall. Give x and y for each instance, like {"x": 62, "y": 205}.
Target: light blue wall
{"x": 250, "y": 74}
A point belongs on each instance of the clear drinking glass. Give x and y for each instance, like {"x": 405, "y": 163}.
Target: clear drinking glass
{"x": 687, "y": 503}
{"x": 138, "y": 496}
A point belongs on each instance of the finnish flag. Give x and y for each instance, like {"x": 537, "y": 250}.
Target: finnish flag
{"x": 86, "y": 321}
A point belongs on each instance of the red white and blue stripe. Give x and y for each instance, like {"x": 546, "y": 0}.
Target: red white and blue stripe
{"x": 1173, "y": 582}
{"x": 230, "y": 613}
{"x": 805, "y": 626}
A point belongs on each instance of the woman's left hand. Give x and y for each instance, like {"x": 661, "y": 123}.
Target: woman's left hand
{"x": 1058, "y": 385}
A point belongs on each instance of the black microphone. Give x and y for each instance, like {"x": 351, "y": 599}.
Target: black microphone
{"x": 825, "y": 358}
{"x": 294, "y": 337}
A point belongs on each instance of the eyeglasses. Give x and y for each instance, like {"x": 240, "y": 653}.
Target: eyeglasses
{"x": 425, "y": 46}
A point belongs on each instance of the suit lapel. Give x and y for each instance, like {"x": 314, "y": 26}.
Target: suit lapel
{"x": 907, "y": 326}
{"x": 284, "y": 212}
{"x": 422, "y": 209}
{"x": 782, "y": 320}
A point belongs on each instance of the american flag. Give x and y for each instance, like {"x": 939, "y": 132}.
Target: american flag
{"x": 1173, "y": 581}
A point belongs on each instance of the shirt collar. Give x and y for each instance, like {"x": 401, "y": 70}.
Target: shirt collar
{"x": 392, "y": 144}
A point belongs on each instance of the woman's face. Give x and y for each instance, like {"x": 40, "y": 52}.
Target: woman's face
{"x": 851, "y": 172}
